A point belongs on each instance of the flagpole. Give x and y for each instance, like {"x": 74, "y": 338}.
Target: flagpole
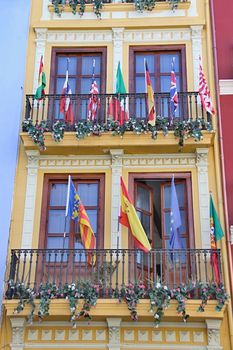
{"x": 66, "y": 213}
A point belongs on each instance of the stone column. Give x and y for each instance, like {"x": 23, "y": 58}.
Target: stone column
{"x": 118, "y": 36}
{"x": 29, "y": 209}
{"x": 41, "y": 36}
{"x": 116, "y": 166}
{"x": 114, "y": 327}
{"x": 196, "y": 35}
{"x": 17, "y": 325}
{"x": 203, "y": 192}
{"x": 213, "y": 332}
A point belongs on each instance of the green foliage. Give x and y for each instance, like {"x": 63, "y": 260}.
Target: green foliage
{"x": 158, "y": 294}
{"x": 58, "y": 130}
{"x": 149, "y": 5}
{"x": 75, "y": 5}
{"x": 36, "y": 132}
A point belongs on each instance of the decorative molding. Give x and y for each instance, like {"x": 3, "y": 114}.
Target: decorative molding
{"x": 18, "y": 327}
{"x": 160, "y": 160}
{"x": 213, "y": 330}
{"x": 74, "y": 162}
{"x": 226, "y": 87}
{"x": 41, "y": 37}
{"x": 116, "y": 155}
{"x": 196, "y": 36}
{"x": 118, "y": 37}
{"x": 29, "y": 208}
{"x": 157, "y": 35}
{"x": 114, "y": 325}
{"x": 203, "y": 193}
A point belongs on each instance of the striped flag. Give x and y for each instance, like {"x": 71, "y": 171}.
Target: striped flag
{"x": 40, "y": 92}
{"x": 173, "y": 92}
{"x": 130, "y": 219}
{"x": 204, "y": 91}
{"x": 94, "y": 100}
{"x": 76, "y": 210}
{"x": 149, "y": 97}
{"x": 66, "y": 107}
{"x": 216, "y": 233}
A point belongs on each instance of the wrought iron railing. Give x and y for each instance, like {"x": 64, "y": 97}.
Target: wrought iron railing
{"x": 108, "y": 107}
{"x": 113, "y": 268}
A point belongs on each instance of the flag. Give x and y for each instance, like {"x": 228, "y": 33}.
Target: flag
{"x": 94, "y": 100}
{"x": 204, "y": 91}
{"x": 66, "y": 107}
{"x": 149, "y": 97}
{"x": 216, "y": 233}
{"x": 173, "y": 92}
{"x": 118, "y": 106}
{"x": 175, "y": 220}
{"x": 130, "y": 219}
{"x": 76, "y": 210}
{"x": 40, "y": 92}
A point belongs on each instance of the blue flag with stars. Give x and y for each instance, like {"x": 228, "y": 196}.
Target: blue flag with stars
{"x": 72, "y": 202}
{"x": 175, "y": 220}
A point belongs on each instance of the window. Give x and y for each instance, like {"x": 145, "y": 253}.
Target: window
{"x": 80, "y": 68}
{"x": 159, "y": 64}
{"x": 90, "y": 189}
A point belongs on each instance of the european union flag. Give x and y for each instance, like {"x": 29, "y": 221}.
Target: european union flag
{"x": 72, "y": 202}
{"x": 175, "y": 223}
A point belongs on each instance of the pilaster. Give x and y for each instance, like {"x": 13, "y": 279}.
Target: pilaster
{"x": 29, "y": 209}
{"x": 114, "y": 325}
{"x": 41, "y": 36}
{"x": 116, "y": 166}
{"x": 213, "y": 331}
{"x": 118, "y": 37}
{"x": 17, "y": 325}
{"x": 203, "y": 193}
{"x": 196, "y": 37}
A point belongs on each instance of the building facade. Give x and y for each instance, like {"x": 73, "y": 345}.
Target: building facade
{"x": 60, "y": 295}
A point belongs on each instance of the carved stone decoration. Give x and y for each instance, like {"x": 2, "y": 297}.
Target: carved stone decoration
{"x": 203, "y": 193}
{"x": 114, "y": 325}
{"x": 29, "y": 209}
{"x": 213, "y": 331}
{"x": 196, "y": 35}
{"x": 118, "y": 36}
{"x": 41, "y": 36}
{"x": 17, "y": 325}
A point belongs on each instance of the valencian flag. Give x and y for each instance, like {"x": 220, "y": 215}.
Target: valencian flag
{"x": 130, "y": 219}
{"x": 40, "y": 92}
{"x": 118, "y": 106}
{"x": 66, "y": 107}
{"x": 94, "y": 100}
{"x": 216, "y": 233}
{"x": 76, "y": 211}
{"x": 175, "y": 220}
{"x": 173, "y": 92}
{"x": 204, "y": 91}
{"x": 149, "y": 97}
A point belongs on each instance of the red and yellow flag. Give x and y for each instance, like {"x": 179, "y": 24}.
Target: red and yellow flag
{"x": 150, "y": 97}
{"x": 129, "y": 218}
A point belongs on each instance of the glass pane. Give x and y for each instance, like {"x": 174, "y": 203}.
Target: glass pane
{"x": 62, "y": 65}
{"x": 87, "y": 65}
{"x": 58, "y": 194}
{"x": 92, "y": 214}
{"x": 165, "y": 81}
{"x": 88, "y": 194}
{"x": 140, "y": 84}
{"x": 180, "y": 191}
{"x": 166, "y": 61}
{"x": 143, "y": 198}
{"x": 57, "y": 242}
{"x": 140, "y": 67}
{"x": 56, "y": 221}
{"x": 145, "y": 220}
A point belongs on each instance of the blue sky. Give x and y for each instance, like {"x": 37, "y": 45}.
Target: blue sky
{"x": 14, "y": 20}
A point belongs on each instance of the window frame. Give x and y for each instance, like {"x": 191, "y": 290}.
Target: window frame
{"x": 133, "y": 177}
{"x": 48, "y": 179}
{"x": 77, "y": 50}
{"x": 157, "y": 48}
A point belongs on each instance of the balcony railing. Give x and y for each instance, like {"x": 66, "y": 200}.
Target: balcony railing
{"x": 108, "y": 107}
{"x": 112, "y": 268}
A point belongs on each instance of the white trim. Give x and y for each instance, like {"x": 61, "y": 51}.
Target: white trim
{"x": 68, "y": 195}
{"x": 64, "y": 345}
{"x": 117, "y": 37}
{"x": 196, "y": 35}
{"x": 41, "y": 36}
{"x": 226, "y": 87}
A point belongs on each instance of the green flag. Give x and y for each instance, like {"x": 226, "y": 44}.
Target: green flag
{"x": 216, "y": 231}
{"x": 120, "y": 85}
{"x": 40, "y": 92}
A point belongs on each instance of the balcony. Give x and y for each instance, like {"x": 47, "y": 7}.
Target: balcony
{"x": 48, "y": 109}
{"x": 111, "y": 269}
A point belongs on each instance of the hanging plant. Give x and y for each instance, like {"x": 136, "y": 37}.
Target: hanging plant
{"x": 36, "y": 132}
{"x": 59, "y": 6}
{"x": 144, "y": 5}
{"x": 159, "y": 301}
{"x": 58, "y": 129}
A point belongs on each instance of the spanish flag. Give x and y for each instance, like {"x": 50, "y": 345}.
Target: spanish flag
{"x": 149, "y": 97}
{"x": 129, "y": 218}
{"x": 76, "y": 210}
